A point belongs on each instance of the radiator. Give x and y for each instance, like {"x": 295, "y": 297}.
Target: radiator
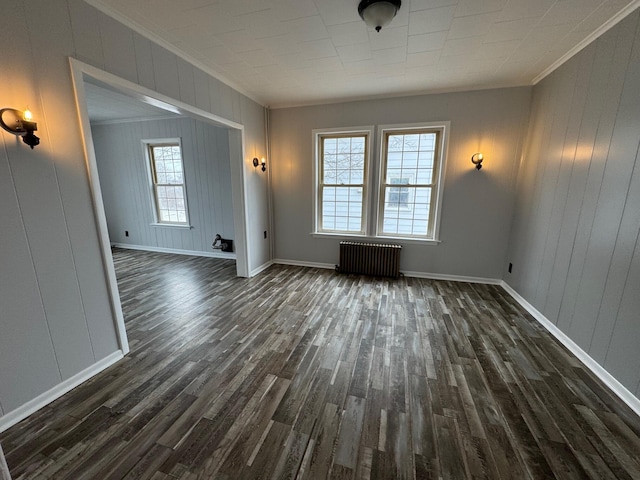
{"x": 370, "y": 259}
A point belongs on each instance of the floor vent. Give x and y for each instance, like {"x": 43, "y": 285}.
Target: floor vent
{"x": 370, "y": 259}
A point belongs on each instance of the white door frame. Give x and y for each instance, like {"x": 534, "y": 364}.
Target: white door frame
{"x": 4, "y": 468}
{"x": 80, "y": 70}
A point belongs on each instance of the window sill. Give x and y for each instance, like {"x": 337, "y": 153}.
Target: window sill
{"x": 346, "y": 236}
{"x": 171, "y": 225}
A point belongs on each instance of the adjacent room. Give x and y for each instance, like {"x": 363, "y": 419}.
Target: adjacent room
{"x": 165, "y": 179}
{"x": 320, "y": 239}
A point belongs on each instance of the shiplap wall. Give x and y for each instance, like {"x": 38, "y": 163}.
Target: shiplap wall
{"x": 126, "y": 189}
{"x": 477, "y": 205}
{"x": 55, "y": 316}
{"x": 574, "y": 244}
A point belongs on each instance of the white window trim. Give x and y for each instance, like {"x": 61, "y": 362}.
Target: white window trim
{"x": 369, "y": 131}
{"x": 442, "y": 156}
{"x": 374, "y": 176}
{"x": 156, "y": 221}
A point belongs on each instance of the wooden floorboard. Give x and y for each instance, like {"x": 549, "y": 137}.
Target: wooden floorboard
{"x": 304, "y": 373}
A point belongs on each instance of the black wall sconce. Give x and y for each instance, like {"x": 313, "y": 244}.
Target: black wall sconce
{"x": 21, "y": 124}
{"x": 257, "y": 162}
{"x": 477, "y": 159}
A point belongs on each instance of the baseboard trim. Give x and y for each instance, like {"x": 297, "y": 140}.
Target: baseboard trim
{"x": 260, "y": 269}
{"x": 32, "y": 406}
{"x": 598, "y": 370}
{"x": 296, "y": 263}
{"x": 193, "y": 253}
{"x": 432, "y": 276}
{"x": 453, "y": 278}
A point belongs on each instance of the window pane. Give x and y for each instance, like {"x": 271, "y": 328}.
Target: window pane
{"x": 329, "y": 193}
{"x": 344, "y": 145}
{"x": 410, "y": 160}
{"x": 357, "y": 145}
{"x": 424, "y": 176}
{"x": 330, "y": 176}
{"x": 328, "y": 223}
{"x": 393, "y": 173}
{"x": 357, "y": 177}
{"x": 330, "y": 145}
{"x": 342, "y": 177}
{"x": 396, "y": 143}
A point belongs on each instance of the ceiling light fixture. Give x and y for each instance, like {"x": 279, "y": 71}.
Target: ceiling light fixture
{"x": 378, "y": 13}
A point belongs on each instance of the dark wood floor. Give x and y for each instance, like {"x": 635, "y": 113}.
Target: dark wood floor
{"x": 303, "y": 373}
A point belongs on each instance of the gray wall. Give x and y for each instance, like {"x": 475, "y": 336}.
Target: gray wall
{"x": 55, "y": 315}
{"x": 574, "y": 244}
{"x": 477, "y": 205}
{"x": 127, "y": 193}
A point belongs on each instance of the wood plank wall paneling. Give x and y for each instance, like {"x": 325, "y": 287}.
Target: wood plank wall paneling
{"x": 54, "y": 306}
{"x": 574, "y": 243}
{"x": 304, "y": 373}
{"x": 124, "y": 179}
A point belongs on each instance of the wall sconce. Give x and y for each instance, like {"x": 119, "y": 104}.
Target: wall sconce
{"x": 257, "y": 162}
{"x": 476, "y": 159}
{"x": 20, "y": 123}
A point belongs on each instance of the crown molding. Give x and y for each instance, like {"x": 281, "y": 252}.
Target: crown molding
{"x": 608, "y": 25}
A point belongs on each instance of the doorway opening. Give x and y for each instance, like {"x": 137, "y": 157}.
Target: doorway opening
{"x": 88, "y": 80}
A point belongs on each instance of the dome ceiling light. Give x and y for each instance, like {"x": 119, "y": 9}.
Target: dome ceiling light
{"x": 378, "y": 13}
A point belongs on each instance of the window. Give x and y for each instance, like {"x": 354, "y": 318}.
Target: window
{"x": 405, "y": 199}
{"x": 167, "y": 177}
{"x": 409, "y": 158}
{"x": 342, "y": 173}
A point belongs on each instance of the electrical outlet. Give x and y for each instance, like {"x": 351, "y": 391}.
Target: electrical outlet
{"x": 126, "y": 233}
{"x": 510, "y": 267}
{"x": 265, "y": 234}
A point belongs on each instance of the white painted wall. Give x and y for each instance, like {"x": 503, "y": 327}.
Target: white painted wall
{"x": 127, "y": 192}
{"x": 477, "y": 205}
{"x": 55, "y": 316}
{"x": 574, "y": 244}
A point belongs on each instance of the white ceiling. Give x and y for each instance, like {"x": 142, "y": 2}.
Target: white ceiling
{"x": 293, "y": 52}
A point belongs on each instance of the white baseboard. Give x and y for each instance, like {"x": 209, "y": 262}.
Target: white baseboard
{"x": 22, "y": 412}
{"x": 260, "y": 269}
{"x": 433, "y": 276}
{"x": 297, "y": 263}
{"x": 453, "y": 278}
{"x": 193, "y": 253}
{"x": 598, "y": 370}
